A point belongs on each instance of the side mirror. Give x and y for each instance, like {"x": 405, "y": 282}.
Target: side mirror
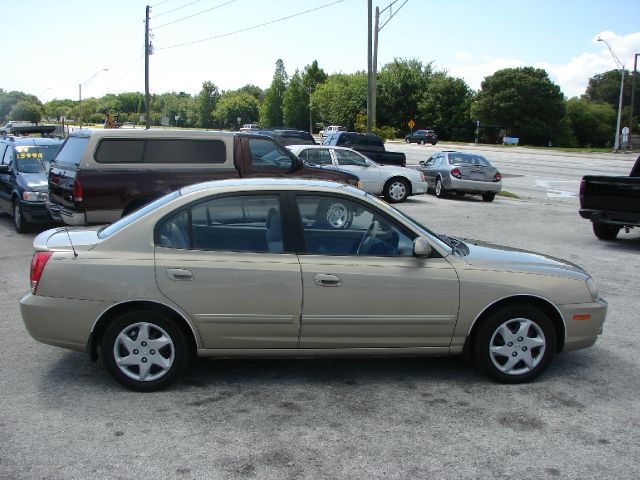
{"x": 4, "y": 168}
{"x": 421, "y": 247}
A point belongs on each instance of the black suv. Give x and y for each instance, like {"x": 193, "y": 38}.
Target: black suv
{"x": 24, "y": 163}
{"x": 288, "y": 136}
{"x": 371, "y": 146}
{"x": 422, "y": 137}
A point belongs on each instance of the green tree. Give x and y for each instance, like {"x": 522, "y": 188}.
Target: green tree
{"x": 446, "y": 107}
{"x": 59, "y": 108}
{"x": 591, "y": 123}
{"x": 26, "y": 110}
{"x": 9, "y": 99}
{"x": 206, "y": 104}
{"x": 271, "y": 110}
{"x": 524, "y": 102}
{"x": 253, "y": 90}
{"x": 295, "y": 110}
{"x": 605, "y": 87}
{"x": 234, "y": 105}
{"x": 312, "y": 77}
{"x": 340, "y": 99}
{"x": 401, "y": 85}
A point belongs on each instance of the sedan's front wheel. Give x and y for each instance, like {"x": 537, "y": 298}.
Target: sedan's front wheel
{"x": 144, "y": 351}
{"x": 19, "y": 222}
{"x": 515, "y": 344}
{"x": 396, "y": 190}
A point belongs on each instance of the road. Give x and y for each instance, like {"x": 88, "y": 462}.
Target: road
{"x": 64, "y": 418}
{"x": 551, "y": 176}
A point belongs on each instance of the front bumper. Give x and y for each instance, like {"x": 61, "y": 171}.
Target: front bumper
{"x": 418, "y": 188}
{"x": 35, "y": 212}
{"x": 584, "y": 332}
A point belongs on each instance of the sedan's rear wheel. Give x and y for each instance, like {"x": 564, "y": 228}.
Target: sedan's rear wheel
{"x": 515, "y": 344}
{"x": 488, "y": 196}
{"x": 439, "y": 189}
{"x": 144, "y": 351}
{"x": 605, "y": 232}
{"x": 396, "y": 190}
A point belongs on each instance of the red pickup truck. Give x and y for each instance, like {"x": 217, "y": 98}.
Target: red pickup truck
{"x": 101, "y": 175}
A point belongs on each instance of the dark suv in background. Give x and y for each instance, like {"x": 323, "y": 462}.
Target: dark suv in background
{"x": 369, "y": 145}
{"x": 24, "y": 163}
{"x": 422, "y": 137}
{"x": 287, "y": 136}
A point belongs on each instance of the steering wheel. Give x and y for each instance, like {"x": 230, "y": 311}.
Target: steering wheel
{"x": 368, "y": 237}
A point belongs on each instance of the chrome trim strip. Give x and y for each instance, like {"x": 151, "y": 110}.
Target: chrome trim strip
{"x": 376, "y": 319}
{"x": 248, "y": 318}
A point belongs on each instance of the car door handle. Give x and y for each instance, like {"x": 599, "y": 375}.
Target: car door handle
{"x": 325, "y": 280}
{"x": 179, "y": 274}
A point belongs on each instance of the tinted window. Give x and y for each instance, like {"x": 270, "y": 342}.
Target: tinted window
{"x": 335, "y": 226}
{"x": 185, "y": 151}
{"x": 249, "y": 223}
{"x": 268, "y": 155}
{"x": 119, "y": 150}
{"x": 7, "y": 158}
{"x": 295, "y": 138}
{"x": 72, "y": 150}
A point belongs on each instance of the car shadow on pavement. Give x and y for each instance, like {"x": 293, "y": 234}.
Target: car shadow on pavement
{"x": 623, "y": 243}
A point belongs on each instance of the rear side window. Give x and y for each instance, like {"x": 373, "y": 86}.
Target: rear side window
{"x": 120, "y": 150}
{"x": 72, "y": 150}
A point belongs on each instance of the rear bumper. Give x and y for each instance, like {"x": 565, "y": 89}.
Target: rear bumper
{"x": 583, "y": 333}
{"x": 471, "y": 186}
{"x": 611, "y": 217}
{"x": 65, "y": 215}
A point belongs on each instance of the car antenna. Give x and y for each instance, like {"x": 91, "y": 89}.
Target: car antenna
{"x": 75, "y": 254}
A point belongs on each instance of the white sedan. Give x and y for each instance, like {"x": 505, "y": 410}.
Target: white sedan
{"x": 396, "y": 184}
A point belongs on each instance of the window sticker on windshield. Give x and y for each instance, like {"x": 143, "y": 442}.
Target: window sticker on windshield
{"x": 23, "y": 152}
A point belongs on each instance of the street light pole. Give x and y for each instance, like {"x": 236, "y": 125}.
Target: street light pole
{"x": 616, "y": 145}
{"x": 80, "y": 85}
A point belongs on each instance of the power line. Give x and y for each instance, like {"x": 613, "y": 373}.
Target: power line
{"x": 176, "y": 9}
{"x": 160, "y": 3}
{"x": 253, "y": 27}
{"x": 195, "y": 14}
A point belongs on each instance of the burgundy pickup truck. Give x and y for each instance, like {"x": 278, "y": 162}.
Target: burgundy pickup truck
{"x": 102, "y": 175}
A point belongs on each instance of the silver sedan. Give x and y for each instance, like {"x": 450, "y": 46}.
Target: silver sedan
{"x": 462, "y": 173}
{"x": 249, "y": 268}
{"x": 395, "y": 184}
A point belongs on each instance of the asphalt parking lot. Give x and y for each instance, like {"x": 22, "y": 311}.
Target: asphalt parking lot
{"x": 64, "y": 418}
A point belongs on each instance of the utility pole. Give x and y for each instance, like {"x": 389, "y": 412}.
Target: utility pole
{"x": 369, "y": 72}
{"x": 633, "y": 94}
{"x": 147, "y": 109}
{"x": 373, "y": 61}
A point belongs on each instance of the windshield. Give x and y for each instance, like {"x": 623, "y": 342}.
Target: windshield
{"x": 132, "y": 217}
{"x": 35, "y": 158}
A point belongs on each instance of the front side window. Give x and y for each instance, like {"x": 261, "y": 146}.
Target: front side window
{"x": 268, "y": 155}
{"x": 7, "y": 158}
{"x": 346, "y": 157}
{"x": 248, "y": 223}
{"x": 336, "y": 226}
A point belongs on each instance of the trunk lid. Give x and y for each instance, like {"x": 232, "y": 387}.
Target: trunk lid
{"x": 64, "y": 239}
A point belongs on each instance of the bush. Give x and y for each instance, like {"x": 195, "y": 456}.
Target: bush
{"x": 386, "y": 132}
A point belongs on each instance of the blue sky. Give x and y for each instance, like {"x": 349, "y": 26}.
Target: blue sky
{"x": 58, "y": 45}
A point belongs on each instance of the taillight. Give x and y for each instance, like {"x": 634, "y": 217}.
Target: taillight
{"x": 456, "y": 173}
{"x": 77, "y": 190}
{"x": 38, "y": 262}
{"x": 497, "y": 177}
{"x": 583, "y": 185}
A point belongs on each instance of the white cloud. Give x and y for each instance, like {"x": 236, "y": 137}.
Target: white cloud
{"x": 475, "y": 74}
{"x": 464, "y": 56}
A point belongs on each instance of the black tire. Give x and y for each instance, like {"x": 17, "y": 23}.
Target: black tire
{"x": 511, "y": 337}
{"x": 439, "y": 189}
{"x": 19, "y": 222}
{"x": 488, "y": 196}
{"x": 396, "y": 190}
{"x": 433, "y": 143}
{"x": 407, "y": 140}
{"x": 605, "y": 231}
{"x": 175, "y": 355}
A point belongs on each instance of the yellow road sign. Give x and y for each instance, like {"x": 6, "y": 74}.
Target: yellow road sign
{"x": 411, "y": 124}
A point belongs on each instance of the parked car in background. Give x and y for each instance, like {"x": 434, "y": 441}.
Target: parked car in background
{"x": 368, "y": 144}
{"x": 462, "y": 173}
{"x": 396, "y": 184}
{"x": 249, "y": 127}
{"x": 422, "y": 137}
{"x": 102, "y": 175}
{"x": 24, "y": 164}
{"x": 221, "y": 269}
{"x": 611, "y": 203}
{"x": 287, "y": 136}
{"x": 331, "y": 129}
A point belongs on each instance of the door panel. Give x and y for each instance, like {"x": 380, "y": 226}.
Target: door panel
{"x": 237, "y": 300}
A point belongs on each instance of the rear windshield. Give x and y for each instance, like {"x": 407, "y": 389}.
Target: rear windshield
{"x": 35, "y": 158}
{"x": 467, "y": 159}
{"x": 295, "y": 138}
{"x": 72, "y": 150}
{"x": 133, "y": 150}
{"x": 360, "y": 141}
